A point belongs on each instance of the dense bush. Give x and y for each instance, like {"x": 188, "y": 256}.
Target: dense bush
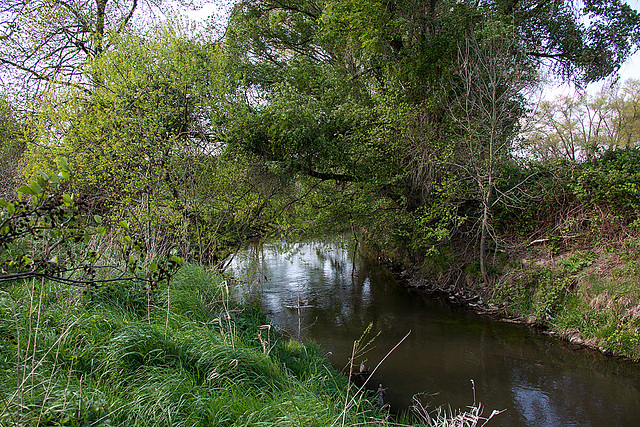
{"x": 612, "y": 179}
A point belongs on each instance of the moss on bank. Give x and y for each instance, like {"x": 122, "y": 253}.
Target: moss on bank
{"x": 182, "y": 355}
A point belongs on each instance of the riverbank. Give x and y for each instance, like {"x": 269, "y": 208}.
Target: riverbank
{"x": 177, "y": 355}
{"x": 587, "y": 294}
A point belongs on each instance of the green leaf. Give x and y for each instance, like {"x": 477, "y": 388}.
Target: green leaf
{"x": 124, "y": 224}
{"x": 54, "y": 260}
{"x": 127, "y": 239}
{"x": 177, "y": 259}
{"x": 37, "y": 189}
{"x": 153, "y": 267}
{"x": 63, "y": 163}
{"x": 97, "y": 219}
{"x": 10, "y": 207}
{"x": 26, "y": 190}
{"x": 93, "y": 255}
{"x": 68, "y": 200}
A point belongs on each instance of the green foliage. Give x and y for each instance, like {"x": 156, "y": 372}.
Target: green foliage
{"x": 593, "y": 201}
{"x": 613, "y": 179}
{"x": 537, "y": 296}
{"x": 46, "y": 234}
{"x": 147, "y": 145}
{"x": 149, "y": 105}
{"x": 217, "y": 203}
{"x": 42, "y": 212}
{"x": 548, "y": 299}
{"x": 578, "y": 261}
{"x": 516, "y": 295}
{"x": 554, "y": 28}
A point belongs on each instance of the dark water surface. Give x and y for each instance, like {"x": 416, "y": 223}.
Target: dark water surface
{"x": 315, "y": 291}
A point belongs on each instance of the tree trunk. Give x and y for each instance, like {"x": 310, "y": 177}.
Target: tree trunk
{"x": 101, "y": 6}
{"x": 486, "y": 202}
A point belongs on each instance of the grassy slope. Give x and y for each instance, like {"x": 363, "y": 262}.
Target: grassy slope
{"x": 579, "y": 274}
{"x": 588, "y": 294}
{"x": 183, "y": 356}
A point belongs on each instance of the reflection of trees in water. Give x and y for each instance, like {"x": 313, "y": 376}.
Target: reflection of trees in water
{"x": 301, "y": 283}
{"x": 536, "y": 389}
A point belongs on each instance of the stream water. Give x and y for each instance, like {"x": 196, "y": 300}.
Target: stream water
{"x": 325, "y": 293}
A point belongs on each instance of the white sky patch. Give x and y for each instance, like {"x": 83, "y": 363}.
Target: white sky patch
{"x": 211, "y": 10}
{"x": 204, "y": 12}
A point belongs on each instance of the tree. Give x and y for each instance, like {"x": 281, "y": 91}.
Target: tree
{"x": 494, "y": 78}
{"x": 12, "y": 146}
{"x": 50, "y": 41}
{"x": 624, "y": 104}
{"x": 357, "y": 91}
{"x": 356, "y": 54}
{"x": 555, "y": 33}
{"x": 147, "y": 144}
{"x": 580, "y": 127}
{"x": 155, "y": 95}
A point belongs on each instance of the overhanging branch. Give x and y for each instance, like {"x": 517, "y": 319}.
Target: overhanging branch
{"x": 43, "y": 77}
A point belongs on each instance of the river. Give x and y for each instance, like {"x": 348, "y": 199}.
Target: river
{"x": 325, "y": 293}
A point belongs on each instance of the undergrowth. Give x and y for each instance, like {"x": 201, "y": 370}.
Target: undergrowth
{"x": 589, "y": 297}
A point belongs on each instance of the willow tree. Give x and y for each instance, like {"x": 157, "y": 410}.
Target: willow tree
{"x": 583, "y": 126}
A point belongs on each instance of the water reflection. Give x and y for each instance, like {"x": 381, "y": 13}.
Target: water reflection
{"x": 322, "y": 292}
